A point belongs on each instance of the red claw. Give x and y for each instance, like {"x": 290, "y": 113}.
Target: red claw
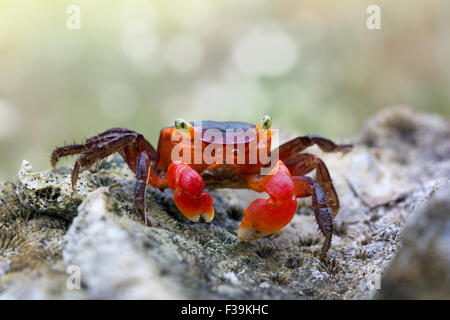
{"x": 189, "y": 198}
{"x": 192, "y": 207}
{"x": 266, "y": 216}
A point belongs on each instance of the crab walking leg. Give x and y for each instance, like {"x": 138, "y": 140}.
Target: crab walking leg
{"x": 135, "y": 150}
{"x": 307, "y": 187}
{"x": 99, "y": 152}
{"x": 297, "y": 145}
{"x": 106, "y": 138}
{"x": 110, "y": 133}
{"x": 64, "y": 151}
{"x": 142, "y": 175}
{"x": 73, "y": 149}
{"x": 266, "y": 216}
{"x": 304, "y": 163}
{"x": 188, "y": 188}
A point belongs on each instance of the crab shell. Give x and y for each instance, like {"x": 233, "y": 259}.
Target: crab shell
{"x": 211, "y": 138}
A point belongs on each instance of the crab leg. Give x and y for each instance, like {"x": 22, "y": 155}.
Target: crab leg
{"x": 133, "y": 147}
{"x": 102, "y": 138}
{"x": 142, "y": 175}
{"x": 297, "y": 145}
{"x": 113, "y": 132}
{"x": 304, "y": 163}
{"x": 265, "y": 216}
{"x": 188, "y": 188}
{"x": 307, "y": 187}
{"x": 325, "y": 201}
{"x": 70, "y": 150}
{"x": 99, "y": 152}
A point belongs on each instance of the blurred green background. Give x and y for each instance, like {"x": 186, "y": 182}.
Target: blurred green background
{"x": 313, "y": 65}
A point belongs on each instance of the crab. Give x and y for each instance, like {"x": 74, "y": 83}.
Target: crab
{"x": 236, "y": 160}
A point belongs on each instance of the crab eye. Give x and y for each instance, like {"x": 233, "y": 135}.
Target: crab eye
{"x": 181, "y": 124}
{"x": 266, "y": 122}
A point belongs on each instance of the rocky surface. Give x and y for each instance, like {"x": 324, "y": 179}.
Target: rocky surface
{"x": 90, "y": 243}
{"x": 421, "y": 268}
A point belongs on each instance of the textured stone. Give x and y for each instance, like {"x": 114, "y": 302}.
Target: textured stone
{"x": 421, "y": 269}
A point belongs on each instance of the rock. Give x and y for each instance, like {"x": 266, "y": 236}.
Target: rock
{"x": 48, "y": 193}
{"x": 373, "y": 182}
{"x": 4, "y": 267}
{"x": 91, "y": 243}
{"x": 113, "y": 263}
{"x": 421, "y": 268}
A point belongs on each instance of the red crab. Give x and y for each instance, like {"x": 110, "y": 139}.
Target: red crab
{"x": 228, "y": 166}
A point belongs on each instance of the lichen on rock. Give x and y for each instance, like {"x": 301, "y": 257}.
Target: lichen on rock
{"x": 46, "y": 228}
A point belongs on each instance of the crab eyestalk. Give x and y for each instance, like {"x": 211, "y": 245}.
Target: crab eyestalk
{"x": 263, "y": 130}
{"x": 181, "y": 124}
{"x": 265, "y": 123}
{"x": 184, "y": 128}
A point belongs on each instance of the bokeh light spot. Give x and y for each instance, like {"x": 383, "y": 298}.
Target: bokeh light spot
{"x": 183, "y": 53}
{"x": 266, "y": 51}
{"x": 139, "y": 41}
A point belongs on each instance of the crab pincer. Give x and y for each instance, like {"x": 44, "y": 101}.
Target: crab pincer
{"x": 266, "y": 216}
{"x": 188, "y": 194}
